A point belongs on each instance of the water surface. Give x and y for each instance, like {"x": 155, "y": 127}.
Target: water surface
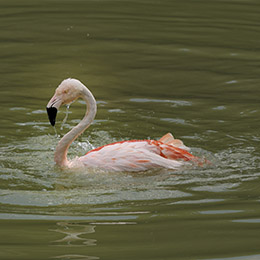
{"x": 190, "y": 68}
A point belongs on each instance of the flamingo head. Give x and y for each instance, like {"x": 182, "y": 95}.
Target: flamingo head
{"x": 67, "y": 92}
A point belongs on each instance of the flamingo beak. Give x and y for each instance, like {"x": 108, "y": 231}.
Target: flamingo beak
{"x": 52, "y": 108}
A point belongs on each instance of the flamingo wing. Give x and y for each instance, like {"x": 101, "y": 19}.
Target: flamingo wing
{"x": 137, "y": 155}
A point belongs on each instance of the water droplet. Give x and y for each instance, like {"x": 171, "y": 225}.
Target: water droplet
{"x": 66, "y": 117}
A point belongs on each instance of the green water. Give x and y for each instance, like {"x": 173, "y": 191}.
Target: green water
{"x": 186, "y": 67}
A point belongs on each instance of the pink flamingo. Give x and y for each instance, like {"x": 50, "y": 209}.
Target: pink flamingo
{"x": 130, "y": 155}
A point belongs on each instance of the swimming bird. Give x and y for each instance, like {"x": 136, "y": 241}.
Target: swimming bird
{"x": 129, "y": 155}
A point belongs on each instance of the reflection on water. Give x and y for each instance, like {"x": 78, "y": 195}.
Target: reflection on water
{"x": 72, "y": 232}
{"x": 76, "y": 257}
{"x": 75, "y": 234}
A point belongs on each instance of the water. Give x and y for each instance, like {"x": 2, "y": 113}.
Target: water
{"x": 186, "y": 67}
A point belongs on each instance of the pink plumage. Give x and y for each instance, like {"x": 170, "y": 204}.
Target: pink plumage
{"x": 136, "y": 155}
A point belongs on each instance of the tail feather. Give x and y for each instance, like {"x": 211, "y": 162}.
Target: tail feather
{"x": 175, "y": 153}
{"x": 175, "y": 149}
{"x": 169, "y": 139}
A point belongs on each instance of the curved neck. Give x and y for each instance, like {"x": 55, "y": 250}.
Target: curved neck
{"x": 60, "y": 156}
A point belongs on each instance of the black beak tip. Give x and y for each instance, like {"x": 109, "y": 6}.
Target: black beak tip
{"x": 52, "y": 112}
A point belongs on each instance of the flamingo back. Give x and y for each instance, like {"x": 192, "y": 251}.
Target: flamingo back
{"x": 136, "y": 155}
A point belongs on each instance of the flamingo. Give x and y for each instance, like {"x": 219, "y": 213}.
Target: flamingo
{"x": 129, "y": 155}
